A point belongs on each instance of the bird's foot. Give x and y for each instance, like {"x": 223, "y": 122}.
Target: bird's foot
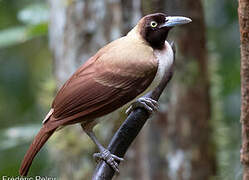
{"x": 147, "y": 103}
{"x": 109, "y": 158}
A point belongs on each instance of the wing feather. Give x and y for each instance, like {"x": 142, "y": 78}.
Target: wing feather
{"x": 100, "y": 86}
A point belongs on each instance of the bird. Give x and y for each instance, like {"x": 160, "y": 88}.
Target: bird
{"x": 120, "y": 73}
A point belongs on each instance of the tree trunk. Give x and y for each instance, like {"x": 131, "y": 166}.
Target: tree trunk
{"x": 243, "y": 12}
{"x": 183, "y": 131}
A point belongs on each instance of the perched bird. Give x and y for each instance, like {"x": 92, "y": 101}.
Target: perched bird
{"x": 118, "y": 73}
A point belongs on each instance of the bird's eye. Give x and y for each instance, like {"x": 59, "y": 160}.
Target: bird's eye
{"x": 153, "y": 24}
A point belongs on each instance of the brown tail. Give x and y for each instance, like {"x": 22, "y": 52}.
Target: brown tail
{"x": 40, "y": 139}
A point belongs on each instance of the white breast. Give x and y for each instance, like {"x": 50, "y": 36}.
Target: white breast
{"x": 165, "y": 60}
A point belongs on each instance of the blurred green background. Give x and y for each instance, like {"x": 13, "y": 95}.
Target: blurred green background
{"x": 26, "y": 80}
{"x": 27, "y": 85}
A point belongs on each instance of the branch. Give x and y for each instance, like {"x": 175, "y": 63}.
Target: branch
{"x": 130, "y": 128}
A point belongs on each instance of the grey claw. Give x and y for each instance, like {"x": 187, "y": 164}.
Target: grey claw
{"x": 117, "y": 158}
{"x": 97, "y": 157}
{"x": 152, "y": 103}
{"x": 108, "y": 158}
{"x": 128, "y": 111}
{"x": 147, "y": 103}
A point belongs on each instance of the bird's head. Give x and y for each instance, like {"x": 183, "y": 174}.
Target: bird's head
{"x": 154, "y": 28}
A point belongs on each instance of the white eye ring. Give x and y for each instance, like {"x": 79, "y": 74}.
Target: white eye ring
{"x": 153, "y": 24}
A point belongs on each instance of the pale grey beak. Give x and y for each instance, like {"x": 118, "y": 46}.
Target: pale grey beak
{"x": 172, "y": 21}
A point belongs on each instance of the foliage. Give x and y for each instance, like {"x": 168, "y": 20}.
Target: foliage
{"x": 35, "y": 19}
{"x": 25, "y": 78}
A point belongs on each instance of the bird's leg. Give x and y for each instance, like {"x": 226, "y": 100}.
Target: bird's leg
{"x": 144, "y": 102}
{"x": 104, "y": 154}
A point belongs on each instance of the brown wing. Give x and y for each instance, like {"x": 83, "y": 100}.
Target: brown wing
{"x": 106, "y": 82}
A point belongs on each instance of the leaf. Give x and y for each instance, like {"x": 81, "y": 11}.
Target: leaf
{"x": 21, "y": 34}
{"x": 34, "y": 14}
{"x": 12, "y": 36}
{"x": 15, "y": 136}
